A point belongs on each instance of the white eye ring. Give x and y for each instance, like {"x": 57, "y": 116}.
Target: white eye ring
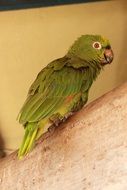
{"x": 97, "y": 45}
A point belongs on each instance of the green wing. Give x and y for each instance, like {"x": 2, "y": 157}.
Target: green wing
{"x": 52, "y": 86}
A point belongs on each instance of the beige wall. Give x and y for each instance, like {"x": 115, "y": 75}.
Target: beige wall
{"x": 30, "y": 39}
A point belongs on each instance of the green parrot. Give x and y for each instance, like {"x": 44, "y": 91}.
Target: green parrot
{"x": 62, "y": 87}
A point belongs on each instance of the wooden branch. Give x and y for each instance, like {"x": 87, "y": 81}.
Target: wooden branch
{"x": 88, "y": 152}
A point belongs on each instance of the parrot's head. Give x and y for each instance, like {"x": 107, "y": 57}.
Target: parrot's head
{"x": 92, "y": 48}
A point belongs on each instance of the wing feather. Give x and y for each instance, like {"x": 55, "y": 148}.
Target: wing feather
{"x": 50, "y": 89}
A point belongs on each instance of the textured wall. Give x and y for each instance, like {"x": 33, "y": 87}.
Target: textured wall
{"x": 29, "y": 39}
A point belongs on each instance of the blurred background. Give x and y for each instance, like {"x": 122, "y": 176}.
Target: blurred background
{"x": 31, "y": 38}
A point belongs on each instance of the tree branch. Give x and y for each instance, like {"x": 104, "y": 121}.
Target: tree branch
{"x": 88, "y": 152}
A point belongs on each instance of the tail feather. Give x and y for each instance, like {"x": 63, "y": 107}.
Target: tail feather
{"x": 28, "y": 140}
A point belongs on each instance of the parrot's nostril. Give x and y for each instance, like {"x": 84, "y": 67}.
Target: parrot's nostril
{"x": 108, "y": 47}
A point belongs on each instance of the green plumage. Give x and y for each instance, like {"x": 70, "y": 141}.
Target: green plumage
{"x": 60, "y": 88}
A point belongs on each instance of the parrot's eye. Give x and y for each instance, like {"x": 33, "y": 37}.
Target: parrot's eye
{"x": 97, "y": 45}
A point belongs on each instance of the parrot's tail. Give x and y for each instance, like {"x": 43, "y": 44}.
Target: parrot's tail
{"x": 31, "y": 131}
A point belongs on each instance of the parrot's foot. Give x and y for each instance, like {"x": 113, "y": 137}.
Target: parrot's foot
{"x": 51, "y": 129}
{"x": 67, "y": 116}
{"x": 56, "y": 119}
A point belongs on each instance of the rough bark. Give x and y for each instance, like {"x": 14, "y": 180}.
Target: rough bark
{"x": 88, "y": 152}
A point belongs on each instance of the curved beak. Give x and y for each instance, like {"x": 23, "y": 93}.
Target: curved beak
{"x": 108, "y": 56}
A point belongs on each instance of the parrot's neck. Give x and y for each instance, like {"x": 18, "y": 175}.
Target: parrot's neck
{"x": 94, "y": 69}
